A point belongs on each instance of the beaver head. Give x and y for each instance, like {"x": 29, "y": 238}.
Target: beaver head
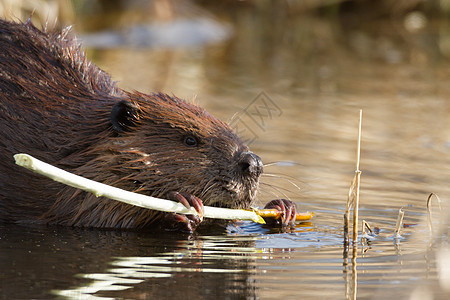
{"x": 167, "y": 144}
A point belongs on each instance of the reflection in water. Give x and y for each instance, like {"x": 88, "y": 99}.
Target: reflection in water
{"x": 116, "y": 279}
{"x": 231, "y": 263}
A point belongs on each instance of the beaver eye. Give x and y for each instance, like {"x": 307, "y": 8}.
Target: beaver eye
{"x": 190, "y": 141}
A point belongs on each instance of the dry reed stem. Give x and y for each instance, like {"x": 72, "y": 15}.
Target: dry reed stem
{"x": 346, "y": 230}
{"x": 430, "y": 225}
{"x": 365, "y": 226}
{"x": 357, "y": 184}
{"x": 347, "y": 214}
{"x": 353, "y": 194}
{"x": 365, "y": 237}
{"x": 399, "y": 224}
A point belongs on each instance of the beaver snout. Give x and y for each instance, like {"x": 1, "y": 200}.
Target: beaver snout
{"x": 250, "y": 164}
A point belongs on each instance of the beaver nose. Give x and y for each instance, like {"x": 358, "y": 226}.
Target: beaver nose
{"x": 250, "y": 164}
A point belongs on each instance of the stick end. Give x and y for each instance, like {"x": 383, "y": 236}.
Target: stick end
{"x": 257, "y": 218}
{"x": 22, "y": 159}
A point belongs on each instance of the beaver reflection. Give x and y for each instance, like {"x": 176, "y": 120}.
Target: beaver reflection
{"x": 61, "y": 108}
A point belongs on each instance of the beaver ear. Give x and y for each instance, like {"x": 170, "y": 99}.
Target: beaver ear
{"x": 124, "y": 114}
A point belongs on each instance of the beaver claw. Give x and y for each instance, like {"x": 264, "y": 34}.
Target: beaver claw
{"x": 288, "y": 211}
{"x": 187, "y": 200}
{"x": 181, "y": 223}
{"x": 184, "y": 223}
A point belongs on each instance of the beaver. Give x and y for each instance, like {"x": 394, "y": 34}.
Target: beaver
{"x": 61, "y": 108}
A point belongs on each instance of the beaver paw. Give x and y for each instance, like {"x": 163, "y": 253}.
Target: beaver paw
{"x": 180, "y": 222}
{"x": 288, "y": 211}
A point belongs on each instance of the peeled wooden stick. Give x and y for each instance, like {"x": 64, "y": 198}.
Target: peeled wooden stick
{"x": 100, "y": 189}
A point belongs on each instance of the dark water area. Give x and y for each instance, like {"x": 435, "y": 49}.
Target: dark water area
{"x": 291, "y": 80}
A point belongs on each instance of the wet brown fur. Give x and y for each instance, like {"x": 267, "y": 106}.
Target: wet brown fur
{"x": 56, "y": 106}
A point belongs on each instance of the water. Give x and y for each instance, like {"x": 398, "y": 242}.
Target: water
{"x": 314, "y": 75}
{"x": 245, "y": 263}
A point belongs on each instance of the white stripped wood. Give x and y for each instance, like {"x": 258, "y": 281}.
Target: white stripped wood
{"x": 103, "y": 190}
